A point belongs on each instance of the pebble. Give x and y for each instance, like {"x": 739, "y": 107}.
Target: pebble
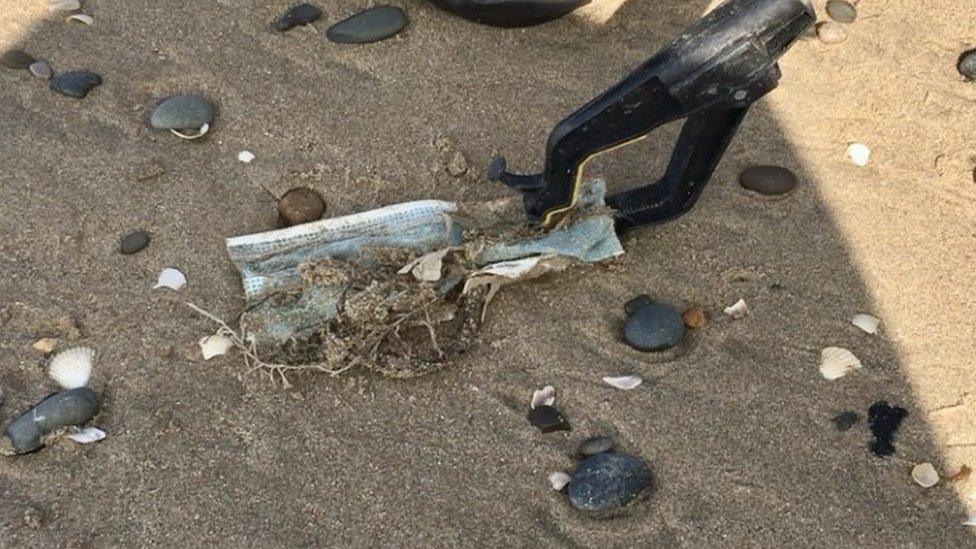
{"x": 967, "y": 64}
{"x": 594, "y": 446}
{"x": 134, "y": 242}
{"x": 182, "y": 112}
{"x": 767, "y": 180}
{"x": 300, "y": 205}
{"x": 831, "y": 33}
{"x": 16, "y": 59}
{"x": 636, "y": 303}
{"x": 548, "y": 419}
{"x": 71, "y": 407}
{"x": 845, "y": 420}
{"x": 369, "y": 25}
{"x": 75, "y": 84}
{"x": 605, "y": 482}
{"x": 41, "y": 69}
{"x": 694, "y": 317}
{"x": 301, "y": 14}
{"x": 841, "y": 11}
{"x": 654, "y": 327}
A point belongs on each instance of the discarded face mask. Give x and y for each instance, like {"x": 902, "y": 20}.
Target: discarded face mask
{"x": 400, "y": 289}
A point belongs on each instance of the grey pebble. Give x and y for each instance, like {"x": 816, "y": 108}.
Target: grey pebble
{"x": 16, "y": 59}
{"x": 301, "y": 14}
{"x": 369, "y": 25}
{"x": 845, "y": 420}
{"x": 654, "y": 327}
{"x": 768, "y": 180}
{"x": 41, "y": 69}
{"x": 182, "y": 112}
{"x": 967, "y": 64}
{"x": 75, "y": 84}
{"x": 594, "y": 446}
{"x": 134, "y": 242}
{"x": 70, "y": 407}
{"x": 608, "y": 481}
{"x": 841, "y": 11}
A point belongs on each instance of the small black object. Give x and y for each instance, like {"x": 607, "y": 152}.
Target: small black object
{"x": 654, "y": 327}
{"x": 548, "y": 419}
{"x": 75, "y": 84}
{"x": 711, "y": 74}
{"x": 70, "y": 407}
{"x": 884, "y": 421}
{"x": 301, "y": 14}
{"x": 608, "y": 481}
{"x": 845, "y": 420}
{"x": 371, "y": 25}
{"x": 594, "y": 446}
{"x": 967, "y": 64}
{"x": 509, "y": 13}
{"x": 636, "y": 303}
{"x": 134, "y": 242}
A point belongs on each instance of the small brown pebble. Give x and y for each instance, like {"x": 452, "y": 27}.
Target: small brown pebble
{"x": 300, "y": 205}
{"x": 694, "y": 317}
{"x": 962, "y": 474}
{"x": 16, "y": 59}
{"x": 831, "y": 33}
{"x": 166, "y": 352}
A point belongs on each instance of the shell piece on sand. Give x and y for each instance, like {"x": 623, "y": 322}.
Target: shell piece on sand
{"x": 971, "y": 521}
{"x": 202, "y": 132}
{"x": 170, "y": 278}
{"x": 45, "y": 344}
{"x": 81, "y": 18}
{"x": 925, "y": 475}
{"x": 625, "y": 383}
{"x": 859, "y": 153}
{"x": 428, "y": 267}
{"x": 57, "y": 6}
{"x": 72, "y": 368}
{"x": 559, "y": 480}
{"x": 866, "y": 322}
{"x": 545, "y": 396}
{"x": 738, "y": 309}
{"x": 215, "y": 345}
{"x": 245, "y": 156}
{"x": 87, "y": 435}
{"x": 836, "y": 362}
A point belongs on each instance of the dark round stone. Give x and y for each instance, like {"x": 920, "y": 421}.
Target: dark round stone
{"x": 182, "y": 112}
{"x": 967, "y": 64}
{"x": 768, "y": 180}
{"x": 608, "y": 481}
{"x": 594, "y": 446}
{"x": 369, "y": 25}
{"x": 548, "y": 419}
{"x": 75, "y": 84}
{"x": 301, "y": 14}
{"x": 654, "y": 327}
{"x": 300, "y": 205}
{"x": 16, "y": 59}
{"x": 636, "y": 303}
{"x": 846, "y": 420}
{"x": 134, "y": 242}
{"x": 841, "y": 11}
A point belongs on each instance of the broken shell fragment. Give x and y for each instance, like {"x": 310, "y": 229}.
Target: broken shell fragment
{"x": 625, "y": 383}
{"x": 925, "y": 475}
{"x": 215, "y": 345}
{"x": 45, "y": 344}
{"x": 200, "y": 133}
{"x": 836, "y": 362}
{"x": 64, "y": 409}
{"x": 737, "y": 310}
{"x": 87, "y": 435}
{"x": 63, "y": 5}
{"x": 245, "y": 156}
{"x": 72, "y": 368}
{"x": 170, "y": 278}
{"x": 545, "y": 396}
{"x": 81, "y": 18}
{"x": 866, "y": 322}
{"x": 559, "y": 480}
{"x": 859, "y": 153}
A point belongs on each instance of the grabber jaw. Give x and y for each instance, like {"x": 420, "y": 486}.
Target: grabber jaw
{"x": 710, "y": 75}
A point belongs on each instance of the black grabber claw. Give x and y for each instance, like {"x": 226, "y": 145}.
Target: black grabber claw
{"x": 710, "y": 74}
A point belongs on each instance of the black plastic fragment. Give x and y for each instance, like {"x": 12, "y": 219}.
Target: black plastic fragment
{"x": 884, "y": 421}
{"x": 548, "y": 419}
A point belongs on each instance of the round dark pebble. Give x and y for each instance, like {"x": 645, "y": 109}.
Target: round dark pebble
{"x": 841, "y": 11}
{"x": 636, "y": 303}
{"x": 967, "y": 64}
{"x": 846, "y": 420}
{"x": 300, "y": 205}
{"x": 371, "y": 25}
{"x": 134, "y": 242}
{"x": 301, "y": 14}
{"x": 75, "y": 84}
{"x": 608, "y": 481}
{"x": 768, "y": 180}
{"x": 182, "y": 112}
{"x": 16, "y": 59}
{"x": 654, "y": 327}
{"x": 594, "y": 446}
{"x": 548, "y": 419}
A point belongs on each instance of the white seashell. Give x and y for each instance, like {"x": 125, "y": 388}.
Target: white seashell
{"x": 859, "y": 153}
{"x": 215, "y": 345}
{"x": 170, "y": 278}
{"x": 559, "y": 480}
{"x": 925, "y": 475}
{"x": 87, "y": 435}
{"x": 623, "y": 382}
{"x": 738, "y": 309}
{"x": 82, "y": 18}
{"x": 836, "y": 362}
{"x": 56, "y": 6}
{"x": 971, "y": 521}
{"x": 200, "y": 133}
{"x": 866, "y": 322}
{"x": 72, "y": 368}
{"x": 245, "y": 156}
{"x": 545, "y": 396}
{"x": 45, "y": 345}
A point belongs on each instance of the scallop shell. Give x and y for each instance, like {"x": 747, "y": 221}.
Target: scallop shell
{"x": 170, "y": 278}
{"x": 545, "y": 396}
{"x": 738, "y": 309}
{"x": 866, "y": 322}
{"x": 859, "y": 153}
{"x": 925, "y": 475}
{"x": 202, "y": 132}
{"x": 82, "y": 18}
{"x": 625, "y": 383}
{"x": 215, "y": 345}
{"x": 559, "y": 480}
{"x": 836, "y": 362}
{"x": 72, "y": 368}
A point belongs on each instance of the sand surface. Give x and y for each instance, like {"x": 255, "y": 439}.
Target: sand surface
{"x": 735, "y": 423}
